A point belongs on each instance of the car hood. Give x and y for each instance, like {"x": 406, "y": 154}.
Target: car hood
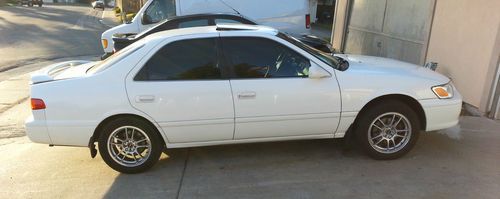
{"x": 385, "y": 66}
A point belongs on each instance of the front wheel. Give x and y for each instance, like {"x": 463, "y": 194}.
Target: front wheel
{"x": 388, "y": 130}
{"x": 129, "y": 145}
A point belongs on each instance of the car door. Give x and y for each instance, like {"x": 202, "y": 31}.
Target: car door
{"x": 273, "y": 96}
{"x": 182, "y": 88}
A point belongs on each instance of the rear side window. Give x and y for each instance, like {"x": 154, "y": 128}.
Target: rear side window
{"x": 194, "y": 59}
{"x": 253, "y": 57}
{"x": 193, "y": 23}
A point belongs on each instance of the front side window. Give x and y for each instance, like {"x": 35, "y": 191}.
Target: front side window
{"x": 194, "y": 59}
{"x": 159, "y": 10}
{"x": 324, "y": 57}
{"x": 252, "y": 57}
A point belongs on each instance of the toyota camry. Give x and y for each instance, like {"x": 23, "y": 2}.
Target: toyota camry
{"x": 230, "y": 84}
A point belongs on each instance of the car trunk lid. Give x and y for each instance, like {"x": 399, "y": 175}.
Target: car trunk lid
{"x": 63, "y": 70}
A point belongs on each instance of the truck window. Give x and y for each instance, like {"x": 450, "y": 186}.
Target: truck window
{"x": 193, "y": 23}
{"x": 159, "y": 10}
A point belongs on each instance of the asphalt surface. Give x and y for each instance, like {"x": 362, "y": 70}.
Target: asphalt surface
{"x": 462, "y": 162}
{"x": 33, "y": 34}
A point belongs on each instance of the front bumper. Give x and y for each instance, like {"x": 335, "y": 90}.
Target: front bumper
{"x": 442, "y": 113}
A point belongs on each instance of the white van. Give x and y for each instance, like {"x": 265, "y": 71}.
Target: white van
{"x": 291, "y": 16}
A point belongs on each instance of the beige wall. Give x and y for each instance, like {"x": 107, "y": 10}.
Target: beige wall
{"x": 464, "y": 40}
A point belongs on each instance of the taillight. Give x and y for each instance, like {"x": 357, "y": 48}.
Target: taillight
{"x": 308, "y": 21}
{"x": 37, "y": 104}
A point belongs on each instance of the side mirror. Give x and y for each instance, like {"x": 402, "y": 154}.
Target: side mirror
{"x": 316, "y": 72}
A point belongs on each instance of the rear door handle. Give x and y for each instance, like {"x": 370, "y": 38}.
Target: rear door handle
{"x": 247, "y": 95}
{"x": 145, "y": 98}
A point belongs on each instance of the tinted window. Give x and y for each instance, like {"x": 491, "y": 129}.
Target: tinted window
{"x": 324, "y": 57}
{"x": 193, "y": 23}
{"x": 263, "y": 58}
{"x": 183, "y": 60}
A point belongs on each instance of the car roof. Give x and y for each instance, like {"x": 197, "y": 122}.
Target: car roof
{"x": 212, "y": 29}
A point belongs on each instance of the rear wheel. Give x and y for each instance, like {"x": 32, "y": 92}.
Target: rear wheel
{"x": 129, "y": 145}
{"x": 388, "y": 130}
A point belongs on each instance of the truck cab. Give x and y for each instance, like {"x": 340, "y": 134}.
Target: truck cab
{"x": 292, "y": 17}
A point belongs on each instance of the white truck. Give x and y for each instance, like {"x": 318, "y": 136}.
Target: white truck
{"x": 291, "y": 16}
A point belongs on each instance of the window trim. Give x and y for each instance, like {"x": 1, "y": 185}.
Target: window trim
{"x": 223, "y": 70}
{"x": 228, "y": 65}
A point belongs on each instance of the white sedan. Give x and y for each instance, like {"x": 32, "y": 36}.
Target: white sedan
{"x": 233, "y": 84}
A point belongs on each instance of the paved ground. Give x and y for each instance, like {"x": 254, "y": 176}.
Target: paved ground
{"x": 458, "y": 163}
{"x": 32, "y": 34}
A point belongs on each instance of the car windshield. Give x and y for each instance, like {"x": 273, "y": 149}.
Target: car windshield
{"x": 324, "y": 57}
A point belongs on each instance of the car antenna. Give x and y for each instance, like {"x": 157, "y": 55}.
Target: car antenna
{"x": 230, "y": 6}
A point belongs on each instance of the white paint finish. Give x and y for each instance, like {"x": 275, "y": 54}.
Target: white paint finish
{"x": 285, "y": 97}
{"x": 285, "y": 125}
{"x": 36, "y": 127}
{"x": 370, "y": 77}
{"x": 206, "y": 101}
{"x": 250, "y": 140}
{"x": 199, "y": 130}
{"x": 198, "y": 113}
{"x": 73, "y": 108}
{"x": 346, "y": 119}
{"x": 442, "y": 113}
{"x": 193, "y": 101}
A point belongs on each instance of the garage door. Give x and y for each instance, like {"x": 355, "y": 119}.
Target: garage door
{"x": 390, "y": 28}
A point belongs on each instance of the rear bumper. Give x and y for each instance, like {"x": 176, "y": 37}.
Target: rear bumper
{"x": 442, "y": 113}
{"x": 37, "y": 130}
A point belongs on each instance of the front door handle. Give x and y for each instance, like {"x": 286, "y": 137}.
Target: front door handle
{"x": 145, "y": 99}
{"x": 247, "y": 95}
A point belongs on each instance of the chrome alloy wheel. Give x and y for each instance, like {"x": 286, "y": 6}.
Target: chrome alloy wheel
{"x": 389, "y": 132}
{"x": 129, "y": 146}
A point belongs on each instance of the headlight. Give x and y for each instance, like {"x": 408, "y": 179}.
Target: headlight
{"x": 104, "y": 43}
{"x": 443, "y": 91}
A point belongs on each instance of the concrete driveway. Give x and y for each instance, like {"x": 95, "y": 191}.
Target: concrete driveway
{"x": 462, "y": 162}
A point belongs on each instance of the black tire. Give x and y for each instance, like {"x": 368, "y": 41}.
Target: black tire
{"x": 148, "y": 129}
{"x": 388, "y": 107}
{"x": 39, "y": 5}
